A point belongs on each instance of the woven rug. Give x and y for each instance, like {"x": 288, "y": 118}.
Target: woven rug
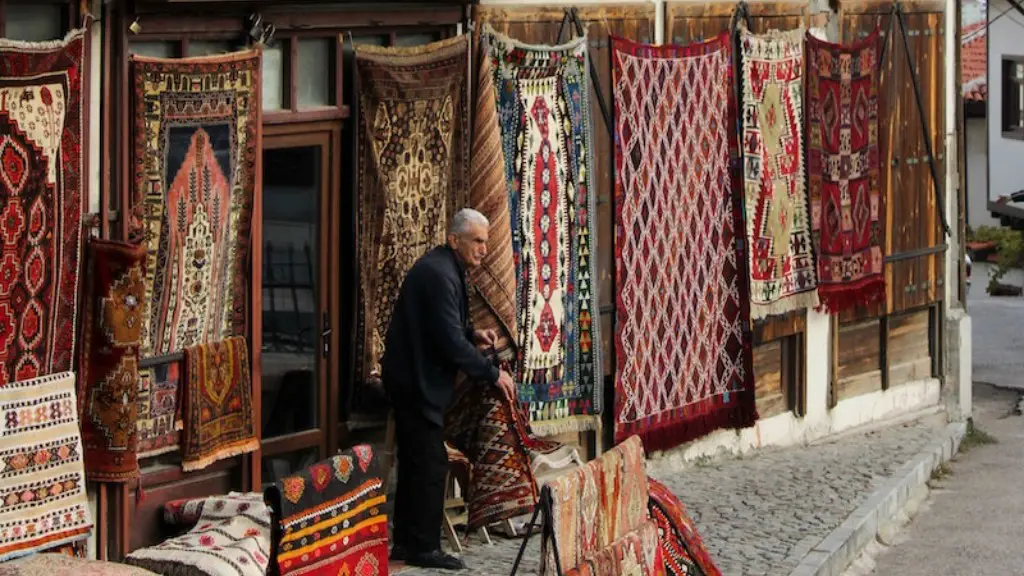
{"x": 330, "y": 517}
{"x": 108, "y": 368}
{"x": 42, "y": 480}
{"x": 683, "y": 306}
{"x": 544, "y": 115}
{"x": 843, "y": 171}
{"x": 635, "y": 554}
{"x": 231, "y": 538}
{"x": 217, "y": 408}
{"x": 782, "y": 271}
{"x": 683, "y": 548}
{"x": 158, "y": 410}
{"x": 42, "y": 198}
{"x": 60, "y": 565}
{"x": 413, "y": 158}
{"x": 197, "y": 136}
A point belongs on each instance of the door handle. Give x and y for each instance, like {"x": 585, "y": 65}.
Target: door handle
{"x": 325, "y": 335}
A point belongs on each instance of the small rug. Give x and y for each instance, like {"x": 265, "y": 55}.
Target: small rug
{"x": 636, "y": 553}
{"x": 413, "y": 172}
{"x": 42, "y": 481}
{"x": 42, "y": 198}
{"x": 682, "y": 547}
{"x": 683, "y": 301}
{"x": 843, "y": 171}
{"x": 108, "y": 367}
{"x": 197, "y": 136}
{"x": 782, "y": 271}
{"x": 544, "y": 116}
{"x": 231, "y": 538}
{"x": 217, "y": 405}
{"x": 330, "y": 518}
{"x": 157, "y": 410}
{"x": 60, "y": 565}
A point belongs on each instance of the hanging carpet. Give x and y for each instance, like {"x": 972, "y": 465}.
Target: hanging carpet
{"x": 114, "y": 307}
{"x": 682, "y": 546}
{"x": 42, "y": 198}
{"x": 197, "y": 136}
{"x": 683, "y": 306}
{"x": 782, "y": 269}
{"x": 42, "y": 481}
{"x": 158, "y": 410}
{"x": 544, "y": 113}
{"x": 843, "y": 171}
{"x": 413, "y": 170}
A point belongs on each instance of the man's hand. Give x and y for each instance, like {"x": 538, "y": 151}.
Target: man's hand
{"x": 506, "y": 383}
{"x": 485, "y": 338}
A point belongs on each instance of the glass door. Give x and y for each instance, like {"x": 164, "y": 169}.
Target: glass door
{"x": 299, "y": 173}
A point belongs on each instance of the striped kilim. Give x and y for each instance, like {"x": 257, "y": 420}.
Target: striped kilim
{"x": 683, "y": 306}
{"x": 782, "y": 273}
{"x": 543, "y": 110}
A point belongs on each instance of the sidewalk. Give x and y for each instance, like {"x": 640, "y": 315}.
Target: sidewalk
{"x": 766, "y": 513}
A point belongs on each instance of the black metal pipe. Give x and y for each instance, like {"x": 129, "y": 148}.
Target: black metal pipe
{"x": 163, "y": 359}
{"x": 911, "y": 254}
{"x": 594, "y": 79}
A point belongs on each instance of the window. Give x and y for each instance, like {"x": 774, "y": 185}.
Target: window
{"x": 1013, "y": 97}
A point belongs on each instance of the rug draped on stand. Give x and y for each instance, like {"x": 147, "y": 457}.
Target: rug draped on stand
{"x": 783, "y": 276}
{"x": 413, "y": 172}
{"x": 847, "y": 209}
{"x": 42, "y": 176}
{"x": 158, "y": 409}
{"x": 683, "y": 302}
{"x": 681, "y": 544}
{"x": 330, "y": 518}
{"x": 544, "y": 113}
{"x": 231, "y": 538}
{"x": 217, "y": 404}
{"x": 42, "y": 484}
{"x": 108, "y": 368}
{"x": 197, "y": 137}
{"x": 60, "y": 565}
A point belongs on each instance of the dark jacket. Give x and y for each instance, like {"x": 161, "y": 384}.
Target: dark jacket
{"x": 430, "y": 337}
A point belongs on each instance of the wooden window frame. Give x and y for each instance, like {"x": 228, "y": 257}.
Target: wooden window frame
{"x": 1013, "y": 111}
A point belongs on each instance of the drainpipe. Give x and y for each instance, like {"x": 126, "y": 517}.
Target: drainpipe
{"x": 952, "y": 187}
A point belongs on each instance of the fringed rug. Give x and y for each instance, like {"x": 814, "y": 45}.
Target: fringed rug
{"x": 158, "y": 410}
{"x": 42, "y": 481}
{"x": 42, "y": 197}
{"x": 544, "y": 112}
{"x": 843, "y": 171}
{"x": 217, "y": 409}
{"x": 231, "y": 538}
{"x": 783, "y": 276}
{"x": 197, "y": 136}
{"x": 108, "y": 367}
{"x": 60, "y": 565}
{"x": 413, "y": 163}
{"x": 681, "y": 544}
{"x": 330, "y": 517}
{"x": 683, "y": 305}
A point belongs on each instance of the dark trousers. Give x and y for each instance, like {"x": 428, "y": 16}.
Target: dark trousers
{"x": 422, "y": 469}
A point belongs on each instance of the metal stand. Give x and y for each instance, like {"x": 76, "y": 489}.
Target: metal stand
{"x": 547, "y": 530}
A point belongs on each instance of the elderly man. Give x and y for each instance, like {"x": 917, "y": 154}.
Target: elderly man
{"x": 429, "y": 340}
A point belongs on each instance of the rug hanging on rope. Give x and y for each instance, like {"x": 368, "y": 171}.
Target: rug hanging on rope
{"x": 683, "y": 302}
{"x": 197, "y": 137}
{"x": 42, "y": 180}
{"x": 413, "y": 171}
{"x": 783, "y": 276}
{"x": 843, "y": 171}
{"x": 544, "y": 113}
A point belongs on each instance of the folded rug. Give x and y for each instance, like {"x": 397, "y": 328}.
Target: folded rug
{"x": 683, "y": 548}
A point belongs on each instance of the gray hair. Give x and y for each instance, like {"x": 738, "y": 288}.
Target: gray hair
{"x": 465, "y": 218}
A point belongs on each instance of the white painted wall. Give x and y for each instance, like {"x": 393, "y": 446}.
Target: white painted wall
{"x": 977, "y": 174}
{"x": 1005, "y": 36}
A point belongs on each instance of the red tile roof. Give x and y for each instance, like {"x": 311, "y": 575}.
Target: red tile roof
{"x": 973, "y": 62}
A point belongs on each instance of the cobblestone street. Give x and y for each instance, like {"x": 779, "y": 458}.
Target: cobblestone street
{"x": 760, "y": 514}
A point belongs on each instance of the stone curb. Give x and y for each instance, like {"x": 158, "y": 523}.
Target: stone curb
{"x": 831, "y": 556}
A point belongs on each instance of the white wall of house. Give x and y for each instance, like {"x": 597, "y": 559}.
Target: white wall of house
{"x": 1005, "y": 37}
{"x": 977, "y": 173}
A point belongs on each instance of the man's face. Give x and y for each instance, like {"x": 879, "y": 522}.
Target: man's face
{"x": 471, "y": 246}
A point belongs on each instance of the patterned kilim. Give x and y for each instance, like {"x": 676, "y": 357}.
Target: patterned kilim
{"x": 413, "y": 172}
{"x": 197, "y": 134}
{"x": 782, "y": 272}
{"x": 114, "y": 306}
{"x": 544, "y": 112}
{"x": 59, "y": 565}
{"x": 43, "y": 503}
{"x": 41, "y": 204}
{"x": 331, "y": 517}
{"x": 158, "y": 409}
{"x": 683, "y": 306}
{"x": 635, "y": 554}
{"x": 217, "y": 405}
{"x": 232, "y": 538}
{"x": 683, "y": 548}
{"x": 843, "y": 171}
